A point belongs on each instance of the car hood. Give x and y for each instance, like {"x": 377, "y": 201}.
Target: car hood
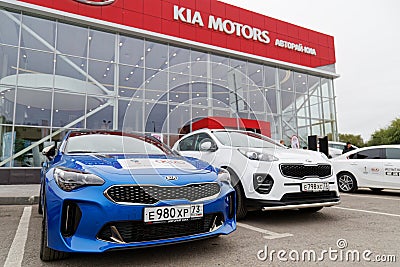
{"x": 293, "y": 155}
{"x": 140, "y": 167}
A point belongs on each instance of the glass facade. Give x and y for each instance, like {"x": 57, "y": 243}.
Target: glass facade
{"x": 56, "y": 76}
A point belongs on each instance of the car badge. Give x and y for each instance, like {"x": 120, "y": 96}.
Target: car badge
{"x": 96, "y": 3}
{"x": 171, "y": 178}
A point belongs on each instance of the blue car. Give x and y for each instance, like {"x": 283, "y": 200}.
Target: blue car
{"x": 103, "y": 190}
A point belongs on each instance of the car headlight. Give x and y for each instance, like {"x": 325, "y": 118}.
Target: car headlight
{"x": 69, "y": 179}
{"x": 254, "y": 155}
{"x": 224, "y": 176}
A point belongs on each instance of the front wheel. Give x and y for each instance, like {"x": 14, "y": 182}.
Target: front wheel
{"x": 347, "y": 183}
{"x": 46, "y": 253}
{"x": 241, "y": 209}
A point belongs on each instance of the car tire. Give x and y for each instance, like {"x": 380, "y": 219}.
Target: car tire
{"x": 311, "y": 210}
{"x": 241, "y": 209}
{"x": 46, "y": 253}
{"x": 376, "y": 190}
{"x": 346, "y": 182}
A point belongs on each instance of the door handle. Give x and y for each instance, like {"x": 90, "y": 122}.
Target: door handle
{"x": 389, "y": 165}
{"x": 354, "y": 164}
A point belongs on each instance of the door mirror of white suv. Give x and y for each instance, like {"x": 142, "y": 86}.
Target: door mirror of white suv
{"x": 208, "y": 146}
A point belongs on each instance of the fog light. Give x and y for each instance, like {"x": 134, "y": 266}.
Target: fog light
{"x": 262, "y": 183}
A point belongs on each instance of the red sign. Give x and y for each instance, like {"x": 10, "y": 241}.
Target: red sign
{"x": 210, "y": 22}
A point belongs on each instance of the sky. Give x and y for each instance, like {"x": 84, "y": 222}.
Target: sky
{"x": 367, "y": 44}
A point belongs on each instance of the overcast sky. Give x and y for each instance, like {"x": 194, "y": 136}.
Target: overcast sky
{"x": 367, "y": 43}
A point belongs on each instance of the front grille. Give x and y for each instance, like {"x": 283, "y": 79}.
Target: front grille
{"x": 309, "y": 197}
{"x": 151, "y": 194}
{"x": 138, "y": 231}
{"x": 301, "y": 171}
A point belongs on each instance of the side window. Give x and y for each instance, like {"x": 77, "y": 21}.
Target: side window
{"x": 392, "y": 153}
{"x": 201, "y": 138}
{"x": 187, "y": 144}
{"x": 374, "y": 153}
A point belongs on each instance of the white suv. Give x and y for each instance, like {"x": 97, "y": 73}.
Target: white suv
{"x": 265, "y": 174}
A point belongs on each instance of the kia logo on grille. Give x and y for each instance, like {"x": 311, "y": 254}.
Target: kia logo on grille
{"x": 96, "y": 3}
{"x": 171, "y": 178}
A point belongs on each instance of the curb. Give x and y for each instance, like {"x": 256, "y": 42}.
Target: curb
{"x": 32, "y": 200}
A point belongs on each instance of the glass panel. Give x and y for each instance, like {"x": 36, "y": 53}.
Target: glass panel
{"x": 316, "y": 127}
{"x": 255, "y": 73}
{"x": 156, "y": 55}
{"x": 131, "y": 78}
{"x": 103, "y": 118}
{"x": 72, "y": 40}
{"x": 72, "y": 67}
{"x": 313, "y": 85}
{"x": 369, "y": 154}
{"x": 326, "y": 86}
{"x": 24, "y": 137}
{"x": 179, "y": 60}
{"x": 179, "y": 88}
{"x": 304, "y": 129}
{"x": 8, "y": 59}
{"x": 221, "y": 113}
{"x": 257, "y": 99}
{"x": 271, "y": 96}
{"x": 199, "y": 113}
{"x": 33, "y": 27}
{"x": 300, "y": 83}
{"x": 302, "y": 105}
{"x": 179, "y": 116}
{"x": 9, "y": 30}
{"x": 5, "y": 142}
{"x": 316, "y": 107}
{"x": 102, "y": 46}
{"x": 7, "y": 96}
{"x": 286, "y": 80}
{"x": 131, "y": 51}
{"x": 130, "y": 116}
{"x": 328, "y": 113}
{"x": 219, "y": 69}
{"x": 199, "y": 64}
{"x": 34, "y": 62}
{"x": 33, "y": 107}
{"x": 199, "y": 93}
{"x": 269, "y": 77}
{"x": 220, "y": 96}
{"x": 101, "y": 80}
{"x": 156, "y": 85}
{"x": 68, "y": 108}
{"x": 288, "y": 103}
{"x": 155, "y": 117}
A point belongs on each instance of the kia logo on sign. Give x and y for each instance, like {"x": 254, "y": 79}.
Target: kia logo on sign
{"x": 96, "y": 3}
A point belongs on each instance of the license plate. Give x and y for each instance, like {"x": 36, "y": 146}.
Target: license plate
{"x": 173, "y": 213}
{"x": 314, "y": 187}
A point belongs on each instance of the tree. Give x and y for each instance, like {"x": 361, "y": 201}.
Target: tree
{"x": 387, "y": 136}
{"x": 354, "y": 139}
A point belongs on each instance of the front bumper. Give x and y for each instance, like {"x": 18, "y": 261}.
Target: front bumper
{"x": 104, "y": 225}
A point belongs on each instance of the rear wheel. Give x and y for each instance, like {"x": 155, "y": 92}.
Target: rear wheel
{"x": 346, "y": 182}
{"x": 46, "y": 253}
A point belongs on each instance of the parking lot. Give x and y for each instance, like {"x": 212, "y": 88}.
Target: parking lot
{"x": 364, "y": 226}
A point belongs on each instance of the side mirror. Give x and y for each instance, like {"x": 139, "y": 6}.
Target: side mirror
{"x": 49, "y": 152}
{"x": 207, "y": 146}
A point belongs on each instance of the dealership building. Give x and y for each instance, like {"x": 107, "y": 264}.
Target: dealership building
{"x": 158, "y": 67}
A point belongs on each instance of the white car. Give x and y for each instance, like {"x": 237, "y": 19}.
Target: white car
{"x": 265, "y": 174}
{"x": 336, "y": 148}
{"x": 375, "y": 167}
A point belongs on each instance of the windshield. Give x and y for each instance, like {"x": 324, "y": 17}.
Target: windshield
{"x": 115, "y": 144}
{"x": 245, "y": 139}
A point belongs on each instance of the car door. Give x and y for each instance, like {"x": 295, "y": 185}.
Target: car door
{"x": 190, "y": 146}
{"x": 368, "y": 166}
{"x": 391, "y": 166}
